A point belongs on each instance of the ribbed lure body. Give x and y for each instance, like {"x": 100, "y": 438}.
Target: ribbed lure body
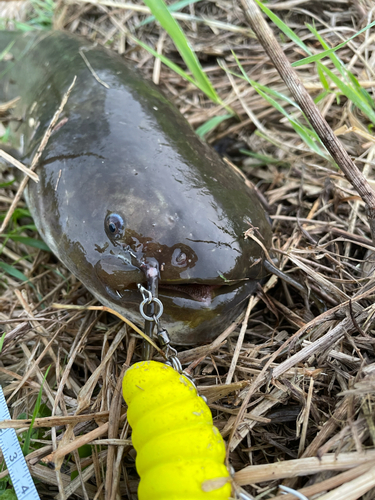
{"x": 180, "y": 454}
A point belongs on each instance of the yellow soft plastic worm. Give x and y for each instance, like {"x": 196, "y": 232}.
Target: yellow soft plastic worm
{"x": 180, "y": 454}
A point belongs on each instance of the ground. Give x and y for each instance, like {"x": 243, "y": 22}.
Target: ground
{"x": 296, "y": 379}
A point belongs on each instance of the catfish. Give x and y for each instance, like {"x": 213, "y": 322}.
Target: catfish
{"x": 126, "y": 184}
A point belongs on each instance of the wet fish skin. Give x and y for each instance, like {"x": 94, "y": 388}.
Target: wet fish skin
{"x": 127, "y": 151}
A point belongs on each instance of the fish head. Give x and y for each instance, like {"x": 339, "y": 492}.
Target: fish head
{"x": 206, "y": 266}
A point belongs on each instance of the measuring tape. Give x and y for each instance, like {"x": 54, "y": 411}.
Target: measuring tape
{"x": 19, "y": 473}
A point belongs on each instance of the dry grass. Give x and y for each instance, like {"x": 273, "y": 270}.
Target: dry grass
{"x": 301, "y": 371}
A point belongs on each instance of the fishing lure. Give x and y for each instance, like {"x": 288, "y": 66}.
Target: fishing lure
{"x": 180, "y": 453}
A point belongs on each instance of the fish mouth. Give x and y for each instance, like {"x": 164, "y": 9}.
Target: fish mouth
{"x": 197, "y": 292}
{"x": 194, "y": 313}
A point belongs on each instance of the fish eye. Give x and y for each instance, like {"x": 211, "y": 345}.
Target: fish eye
{"x": 179, "y": 258}
{"x": 114, "y": 226}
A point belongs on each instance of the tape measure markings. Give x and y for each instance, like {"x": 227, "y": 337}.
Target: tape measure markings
{"x": 23, "y": 483}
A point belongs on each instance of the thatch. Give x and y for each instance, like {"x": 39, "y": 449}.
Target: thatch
{"x": 292, "y": 388}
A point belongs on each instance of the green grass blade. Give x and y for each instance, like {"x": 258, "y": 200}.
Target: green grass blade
{"x": 276, "y": 94}
{"x": 38, "y": 402}
{"x": 211, "y": 124}
{"x": 12, "y": 271}
{"x": 308, "y": 135}
{"x": 318, "y": 57}
{"x": 321, "y": 96}
{"x": 17, "y": 214}
{"x": 2, "y": 338}
{"x": 262, "y": 159}
{"x": 5, "y": 138}
{"x": 6, "y": 50}
{"x": 161, "y": 13}
{"x": 323, "y": 79}
{"x": 283, "y": 27}
{"x": 363, "y": 92}
{"x": 8, "y": 495}
{"x": 266, "y": 138}
{"x": 7, "y": 184}
{"x": 351, "y": 94}
{"x": 31, "y": 242}
{"x": 24, "y": 26}
{"x": 336, "y": 61}
{"x": 167, "y": 62}
{"x": 272, "y": 92}
{"x": 174, "y": 7}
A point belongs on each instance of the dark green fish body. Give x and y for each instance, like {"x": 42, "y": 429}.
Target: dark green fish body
{"x": 125, "y": 181}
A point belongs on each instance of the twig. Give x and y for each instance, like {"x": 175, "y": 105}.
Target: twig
{"x": 115, "y": 313}
{"x": 113, "y": 429}
{"x": 306, "y": 418}
{"x": 240, "y": 341}
{"x": 37, "y": 156}
{"x": 19, "y": 165}
{"x": 81, "y": 441}
{"x": 92, "y": 71}
{"x": 301, "y": 467}
{"x": 328, "y": 484}
{"x": 353, "y": 489}
{"x": 6, "y": 106}
{"x": 52, "y": 421}
{"x": 323, "y": 343}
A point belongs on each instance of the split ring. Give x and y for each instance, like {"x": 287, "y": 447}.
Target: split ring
{"x": 147, "y": 301}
